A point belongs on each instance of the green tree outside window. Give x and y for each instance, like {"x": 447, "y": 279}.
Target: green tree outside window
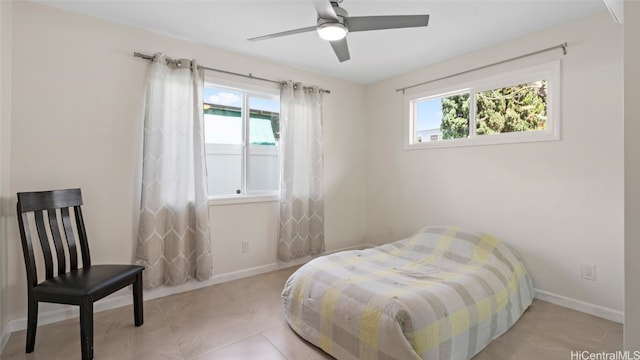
{"x": 510, "y": 109}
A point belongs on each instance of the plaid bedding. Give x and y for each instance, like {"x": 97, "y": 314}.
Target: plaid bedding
{"x": 440, "y": 294}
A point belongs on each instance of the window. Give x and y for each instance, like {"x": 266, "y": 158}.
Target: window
{"x": 519, "y": 106}
{"x": 241, "y": 138}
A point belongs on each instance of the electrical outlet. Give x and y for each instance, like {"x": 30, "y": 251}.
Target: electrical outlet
{"x": 389, "y": 231}
{"x": 245, "y": 246}
{"x": 588, "y": 272}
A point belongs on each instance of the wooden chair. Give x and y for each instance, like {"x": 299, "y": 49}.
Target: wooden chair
{"x": 67, "y": 282}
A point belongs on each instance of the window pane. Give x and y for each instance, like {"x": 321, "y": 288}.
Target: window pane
{"x": 264, "y": 127}
{"x": 264, "y": 134}
{"x": 224, "y": 169}
{"x": 222, "y": 116}
{"x": 263, "y": 168}
{"x": 223, "y": 137}
{"x": 511, "y": 109}
{"x": 441, "y": 118}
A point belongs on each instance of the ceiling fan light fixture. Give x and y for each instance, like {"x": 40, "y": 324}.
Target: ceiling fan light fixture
{"x": 332, "y": 31}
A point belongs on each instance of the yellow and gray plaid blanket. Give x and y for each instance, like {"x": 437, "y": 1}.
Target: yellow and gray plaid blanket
{"x": 440, "y": 294}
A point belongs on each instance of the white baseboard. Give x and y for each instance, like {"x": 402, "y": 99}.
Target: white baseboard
{"x": 591, "y": 309}
{"x": 4, "y": 337}
{"x": 124, "y": 298}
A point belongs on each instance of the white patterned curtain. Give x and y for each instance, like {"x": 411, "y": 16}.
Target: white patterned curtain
{"x": 302, "y": 173}
{"x": 173, "y": 236}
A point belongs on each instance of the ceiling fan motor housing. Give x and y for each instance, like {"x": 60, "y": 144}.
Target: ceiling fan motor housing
{"x": 341, "y": 14}
{"x": 333, "y": 29}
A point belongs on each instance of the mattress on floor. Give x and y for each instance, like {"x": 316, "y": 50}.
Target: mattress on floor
{"x": 442, "y": 293}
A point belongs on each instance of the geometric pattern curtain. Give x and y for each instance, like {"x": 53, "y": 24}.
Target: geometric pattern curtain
{"x": 301, "y": 230}
{"x": 173, "y": 237}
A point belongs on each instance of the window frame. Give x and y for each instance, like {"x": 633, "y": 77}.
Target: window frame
{"x": 549, "y": 71}
{"x": 248, "y": 90}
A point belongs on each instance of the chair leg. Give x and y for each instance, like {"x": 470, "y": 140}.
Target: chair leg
{"x": 32, "y": 325}
{"x": 138, "y": 310}
{"x": 86, "y": 329}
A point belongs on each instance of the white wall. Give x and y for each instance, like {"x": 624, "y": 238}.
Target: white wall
{"x": 5, "y": 150}
{"x": 77, "y": 95}
{"x": 559, "y": 204}
{"x": 632, "y": 174}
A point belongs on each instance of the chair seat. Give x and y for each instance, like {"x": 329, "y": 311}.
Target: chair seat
{"x": 90, "y": 281}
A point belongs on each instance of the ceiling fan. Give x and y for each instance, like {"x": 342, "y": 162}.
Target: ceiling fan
{"x": 334, "y": 23}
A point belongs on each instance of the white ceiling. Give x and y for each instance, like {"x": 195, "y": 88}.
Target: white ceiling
{"x": 455, "y": 27}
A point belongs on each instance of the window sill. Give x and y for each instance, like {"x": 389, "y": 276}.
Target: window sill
{"x": 492, "y": 139}
{"x": 242, "y": 199}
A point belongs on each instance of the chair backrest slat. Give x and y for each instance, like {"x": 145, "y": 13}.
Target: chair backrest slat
{"x": 68, "y": 232}
{"x": 57, "y": 240}
{"x": 44, "y": 243}
{"x": 82, "y": 235}
{"x": 27, "y": 248}
{"x": 53, "y": 207}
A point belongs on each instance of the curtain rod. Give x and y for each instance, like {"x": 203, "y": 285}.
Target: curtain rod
{"x": 563, "y": 46}
{"x": 250, "y": 76}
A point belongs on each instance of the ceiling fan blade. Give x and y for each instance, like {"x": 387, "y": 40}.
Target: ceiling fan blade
{"x": 366, "y": 23}
{"x": 284, "y": 33}
{"x": 341, "y": 49}
{"x": 325, "y": 9}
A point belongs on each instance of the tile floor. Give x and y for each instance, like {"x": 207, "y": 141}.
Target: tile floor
{"x": 243, "y": 319}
